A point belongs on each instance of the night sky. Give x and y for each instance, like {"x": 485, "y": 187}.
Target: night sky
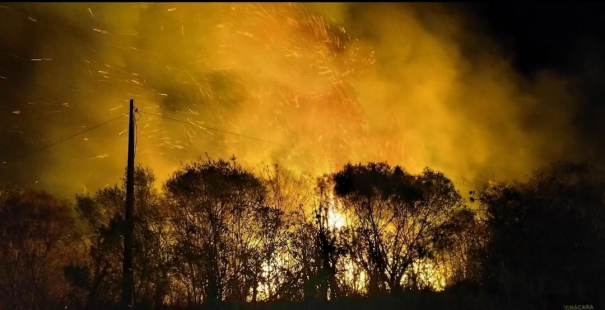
{"x": 556, "y": 36}
{"x": 565, "y": 38}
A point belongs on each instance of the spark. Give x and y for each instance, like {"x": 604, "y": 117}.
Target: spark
{"x": 32, "y": 19}
{"x": 245, "y": 33}
{"x": 182, "y": 27}
{"x": 99, "y": 156}
{"x": 171, "y": 9}
{"x": 17, "y": 112}
{"x": 93, "y": 15}
{"x": 99, "y": 30}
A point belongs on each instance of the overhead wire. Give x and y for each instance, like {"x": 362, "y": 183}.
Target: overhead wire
{"x": 222, "y": 131}
{"x": 22, "y": 156}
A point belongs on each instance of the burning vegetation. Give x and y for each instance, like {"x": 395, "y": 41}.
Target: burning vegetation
{"x": 316, "y": 100}
{"x": 218, "y": 235}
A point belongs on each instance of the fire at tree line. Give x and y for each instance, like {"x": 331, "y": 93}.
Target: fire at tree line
{"x": 220, "y": 236}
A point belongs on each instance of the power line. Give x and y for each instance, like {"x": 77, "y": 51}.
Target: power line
{"x": 211, "y": 128}
{"x": 192, "y": 124}
{"x": 221, "y": 130}
{"x": 65, "y": 139}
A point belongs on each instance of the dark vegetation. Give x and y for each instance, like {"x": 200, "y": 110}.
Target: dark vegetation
{"x": 219, "y": 236}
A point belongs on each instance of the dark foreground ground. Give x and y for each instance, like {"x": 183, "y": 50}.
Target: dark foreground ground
{"x": 455, "y": 299}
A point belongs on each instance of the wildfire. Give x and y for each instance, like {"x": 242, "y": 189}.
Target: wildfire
{"x": 336, "y": 220}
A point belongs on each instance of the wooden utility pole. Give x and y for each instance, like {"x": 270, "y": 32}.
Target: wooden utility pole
{"x": 127, "y": 276}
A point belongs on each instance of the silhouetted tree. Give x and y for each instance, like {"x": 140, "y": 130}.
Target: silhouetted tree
{"x": 459, "y": 260}
{"x": 397, "y": 220}
{"x": 37, "y": 240}
{"x": 222, "y": 228}
{"x": 218, "y": 235}
{"x": 314, "y": 250}
{"x": 98, "y": 280}
{"x": 276, "y": 273}
{"x": 547, "y": 245}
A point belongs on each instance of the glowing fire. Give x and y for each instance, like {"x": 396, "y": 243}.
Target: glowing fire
{"x": 335, "y": 219}
{"x": 294, "y": 78}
